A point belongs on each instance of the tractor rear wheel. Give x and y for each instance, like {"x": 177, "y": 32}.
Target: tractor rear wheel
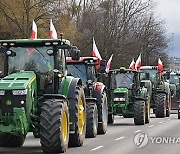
{"x": 110, "y": 118}
{"x": 139, "y": 112}
{"x": 54, "y": 126}
{"x": 160, "y": 105}
{"x": 11, "y": 140}
{"x": 79, "y": 115}
{"x": 103, "y": 115}
{"x": 91, "y": 120}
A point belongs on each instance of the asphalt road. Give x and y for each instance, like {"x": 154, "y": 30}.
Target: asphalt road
{"x": 160, "y": 136}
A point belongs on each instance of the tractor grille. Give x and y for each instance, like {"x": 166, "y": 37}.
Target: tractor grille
{"x": 9, "y": 101}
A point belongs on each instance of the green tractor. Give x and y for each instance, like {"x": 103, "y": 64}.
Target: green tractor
{"x": 126, "y": 98}
{"x": 95, "y": 92}
{"x": 36, "y": 95}
{"x": 159, "y": 90}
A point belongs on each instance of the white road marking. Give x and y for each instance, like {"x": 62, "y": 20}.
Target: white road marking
{"x": 120, "y": 138}
{"x": 161, "y": 122}
{"x": 168, "y": 119}
{"x": 97, "y": 148}
{"x": 151, "y": 126}
{"x": 137, "y": 131}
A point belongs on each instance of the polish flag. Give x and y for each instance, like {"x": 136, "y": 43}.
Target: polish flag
{"x": 132, "y": 65}
{"x": 160, "y": 65}
{"x": 108, "y": 64}
{"x": 138, "y": 63}
{"x": 34, "y": 31}
{"x": 53, "y": 33}
{"x": 95, "y": 53}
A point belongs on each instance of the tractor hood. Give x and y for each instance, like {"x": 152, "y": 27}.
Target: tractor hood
{"x": 19, "y": 80}
{"x": 120, "y": 90}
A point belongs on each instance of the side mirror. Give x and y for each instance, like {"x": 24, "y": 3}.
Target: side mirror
{"x": 168, "y": 75}
{"x": 147, "y": 75}
{"x": 75, "y": 54}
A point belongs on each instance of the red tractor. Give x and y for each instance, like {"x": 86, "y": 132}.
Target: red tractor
{"x": 95, "y": 92}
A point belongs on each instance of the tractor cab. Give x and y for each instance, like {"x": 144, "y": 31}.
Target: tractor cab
{"x": 83, "y": 68}
{"x": 43, "y": 57}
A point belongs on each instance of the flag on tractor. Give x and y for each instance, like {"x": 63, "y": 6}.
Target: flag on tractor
{"x": 160, "y": 65}
{"x": 95, "y": 53}
{"x": 108, "y": 65}
{"x": 53, "y": 33}
{"x": 132, "y": 65}
{"x": 138, "y": 63}
{"x": 34, "y": 31}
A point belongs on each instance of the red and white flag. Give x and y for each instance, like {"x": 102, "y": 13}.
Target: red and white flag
{"x": 160, "y": 65}
{"x": 95, "y": 53}
{"x": 108, "y": 65}
{"x": 138, "y": 63}
{"x": 132, "y": 65}
{"x": 34, "y": 31}
{"x": 53, "y": 33}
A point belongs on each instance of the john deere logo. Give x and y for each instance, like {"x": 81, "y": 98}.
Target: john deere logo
{"x": 8, "y": 102}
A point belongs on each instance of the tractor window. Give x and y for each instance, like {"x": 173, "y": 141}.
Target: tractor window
{"x": 152, "y": 75}
{"x": 2, "y": 57}
{"x": 124, "y": 80}
{"x": 32, "y": 59}
{"x": 61, "y": 61}
{"x": 91, "y": 73}
{"x": 78, "y": 71}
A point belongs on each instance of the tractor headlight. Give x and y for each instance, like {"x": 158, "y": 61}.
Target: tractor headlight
{"x": 2, "y": 92}
{"x": 19, "y": 92}
{"x": 122, "y": 99}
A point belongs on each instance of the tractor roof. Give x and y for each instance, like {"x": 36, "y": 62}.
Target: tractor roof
{"x": 148, "y": 67}
{"x": 123, "y": 70}
{"x": 82, "y": 60}
{"x": 34, "y": 42}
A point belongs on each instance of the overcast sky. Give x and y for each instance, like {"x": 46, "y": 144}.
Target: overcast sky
{"x": 169, "y": 10}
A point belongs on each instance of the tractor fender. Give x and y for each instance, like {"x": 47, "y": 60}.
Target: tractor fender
{"x": 72, "y": 87}
{"x": 98, "y": 91}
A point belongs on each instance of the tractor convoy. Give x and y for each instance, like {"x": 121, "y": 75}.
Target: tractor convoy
{"x": 64, "y": 99}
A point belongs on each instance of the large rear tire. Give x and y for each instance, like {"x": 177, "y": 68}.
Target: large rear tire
{"x": 139, "y": 112}
{"x": 92, "y": 120}
{"x": 160, "y": 105}
{"x": 54, "y": 126}
{"x": 103, "y": 115}
{"x": 11, "y": 140}
{"x": 79, "y": 115}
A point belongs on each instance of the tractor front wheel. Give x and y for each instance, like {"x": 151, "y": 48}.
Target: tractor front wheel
{"x": 139, "y": 112}
{"x": 103, "y": 115}
{"x": 92, "y": 120}
{"x": 110, "y": 118}
{"x": 54, "y": 126}
{"x": 78, "y": 113}
{"x": 160, "y": 105}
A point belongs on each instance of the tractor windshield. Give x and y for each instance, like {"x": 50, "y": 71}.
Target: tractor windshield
{"x": 174, "y": 79}
{"x": 30, "y": 59}
{"x": 152, "y": 75}
{"x": 78, "y": 71}
{"x": 124, "y": 80}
